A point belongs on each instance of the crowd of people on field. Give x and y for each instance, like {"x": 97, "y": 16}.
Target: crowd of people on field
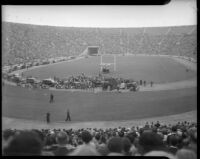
{"x": 81, "y": 81}
{"x": 152, "y": 139}
{"x": 26, "y": 43}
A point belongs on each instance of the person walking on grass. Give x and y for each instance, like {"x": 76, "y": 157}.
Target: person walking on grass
{"x": 68, "y": 116}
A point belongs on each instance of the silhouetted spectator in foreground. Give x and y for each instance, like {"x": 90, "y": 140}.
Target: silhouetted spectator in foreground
{"x": 178, "y": 140}
{"x": 173, "y": 143}
{"x": 132, "y": 137}
{"x": 193, "y": 139}
{"x": 26, "y": 143}
{"x": 150, "y": 141}
{"x": 161, "y": 154}
{"x": 87, "y": 148}
{"x": 186, "y": 154}
{"x": 126, "y": 146}
{"x": 102, "y": 147}
{"x": 62, "y": 140}
{"x": 115, "y": 146}
{"x": 8, "y": 135}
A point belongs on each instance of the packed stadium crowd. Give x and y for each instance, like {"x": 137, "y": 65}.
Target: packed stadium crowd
{"x": 24, "y": 43}
{"x": 152, "y": 139}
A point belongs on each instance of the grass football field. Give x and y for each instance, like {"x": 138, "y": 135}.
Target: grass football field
{"x": 33, "y": 104}
{"x": 155, "y": 68}
{"x": 104, "y": 106}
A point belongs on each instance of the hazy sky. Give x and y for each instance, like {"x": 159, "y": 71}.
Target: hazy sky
{"x": 175, "y": 13}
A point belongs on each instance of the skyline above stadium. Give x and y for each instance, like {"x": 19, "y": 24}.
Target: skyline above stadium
{"x": 176, "y": 13}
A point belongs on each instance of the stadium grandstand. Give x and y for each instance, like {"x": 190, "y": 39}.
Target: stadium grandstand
{"x": 22, "y": 42}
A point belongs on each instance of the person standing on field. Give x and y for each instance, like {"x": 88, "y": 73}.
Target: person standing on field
{"x": 51, "y": 98}
{"x": 140, "y": 82}
{"x": 144, "y": 83}
{"x": 151, "y": 83}
{"x": 48, "y": 118}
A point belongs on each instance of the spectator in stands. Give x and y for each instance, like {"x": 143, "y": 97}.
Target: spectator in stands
{"x": 126, "y": 146}
{"x": 144, "y": 140}
{"x": 186, "y": 154}
{"x": 174, "y": 129}
{"x": 40, "y": 135}
{"x": 157, "y": 124}
{"x": 173, "y": 141}
{"x": 8, "y": 135}
{"x": 96, "y": 139}
{"x": 102, "y": 147}
{"x": 27, "y": 143}
{"x": 62, "y": 140}
{"x": 160, "y": 153}
{"x": 147, "y": 125}
{"x": 115, "y": 146}
{"x": 173, "y": 132}
{"x": 150, "y": 141}
{"x": 87, "y": 149}
{"x": 50, "y": 142}
{"x": 132, "y": 136}
{"x": 193, "y": 139}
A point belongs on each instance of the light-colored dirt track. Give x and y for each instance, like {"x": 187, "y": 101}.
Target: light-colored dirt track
{"x": 179, "y": 84}
{"x": 28, "y": 124}
{"x": 171, "y": 86}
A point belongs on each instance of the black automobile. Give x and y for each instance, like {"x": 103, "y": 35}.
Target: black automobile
{"x": 105, "y": 70}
